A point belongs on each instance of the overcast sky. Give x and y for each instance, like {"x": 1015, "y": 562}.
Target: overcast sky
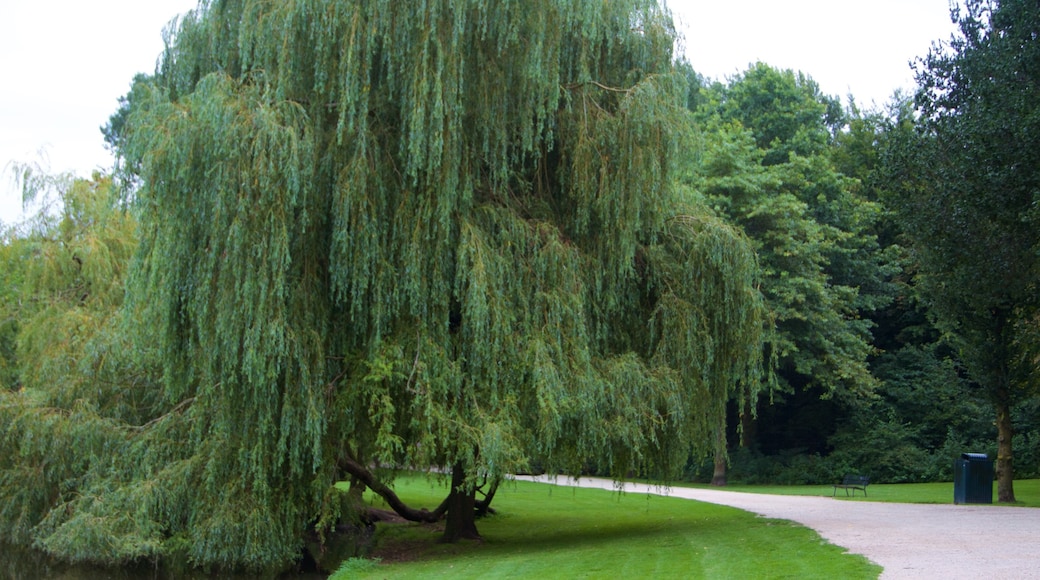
{"x": 65, "y": 63}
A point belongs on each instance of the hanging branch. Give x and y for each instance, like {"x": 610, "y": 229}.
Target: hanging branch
{"x": 176, "y": 409}
{"x": 573, "y": 86}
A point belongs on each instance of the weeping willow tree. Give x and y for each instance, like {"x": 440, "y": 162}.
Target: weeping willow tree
{"x": 427, "y": 234}
{"x": 70, "y": 386}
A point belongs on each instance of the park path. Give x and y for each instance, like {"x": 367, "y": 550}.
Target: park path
{"x": 912, "y": 541}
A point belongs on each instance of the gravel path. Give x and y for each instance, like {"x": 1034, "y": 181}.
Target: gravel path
{"x": 908, "y": 540}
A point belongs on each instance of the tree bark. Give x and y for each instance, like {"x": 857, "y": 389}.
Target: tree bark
{"x": 748, "y": 425}
{"x": 483, "y": 506}
{"x": 1005, "y": 433}
{"x": 460, "y": 522}
{"x": 718, "y": 477}
{"x": 404, "y": 510}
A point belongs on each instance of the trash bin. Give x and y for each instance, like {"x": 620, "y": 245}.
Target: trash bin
{"x": 973, "y": 479}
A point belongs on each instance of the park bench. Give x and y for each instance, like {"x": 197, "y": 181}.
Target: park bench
{"x": 852, "y": 482}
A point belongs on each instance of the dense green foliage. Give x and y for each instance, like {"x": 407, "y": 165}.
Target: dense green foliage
{"x": 485, "y": 237}
{"x": 73, "y": 384}
{"x": 765, "y": 169}
{"x": 967, "y": 194}
{"x": 768, "y": 165}
{"x": 376, "y": 233}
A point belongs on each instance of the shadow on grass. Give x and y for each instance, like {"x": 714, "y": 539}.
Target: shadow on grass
{"x": 560, "y": 523}
{"x": 542, "y": 531}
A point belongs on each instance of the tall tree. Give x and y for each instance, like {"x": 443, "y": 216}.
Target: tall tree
{"x": 785, "y": 111}
{"x": 62, "y": 271}
{"x": 70, "y": 380}
{"x": 968, "y": 198}
{"x": 766, "y": 168}
{"x": 382, "y": 233}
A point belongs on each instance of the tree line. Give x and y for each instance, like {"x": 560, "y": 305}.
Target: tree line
{"x": 345, "y": 239}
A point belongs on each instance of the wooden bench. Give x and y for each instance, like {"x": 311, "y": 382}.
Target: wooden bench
{"x": 852, "y": 482}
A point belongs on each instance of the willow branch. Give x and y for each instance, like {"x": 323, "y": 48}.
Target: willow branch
{"x": 176, "y": 409}
{"x": 404, "y": 510}
{"x": 598, "y": 85}
{"x": 415, "y": 363}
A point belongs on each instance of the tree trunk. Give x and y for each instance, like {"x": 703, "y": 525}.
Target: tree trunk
{"x": 748, "y": 425}
{"x": 460, "y": 521}
{"x": 718, "y": 477}
{"x": 484, "y": 506}
{"x": 1005, "y": 432}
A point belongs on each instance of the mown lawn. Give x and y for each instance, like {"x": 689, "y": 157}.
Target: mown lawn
{"x": 550, "y": 532}
{"x": 1027, "y": 492}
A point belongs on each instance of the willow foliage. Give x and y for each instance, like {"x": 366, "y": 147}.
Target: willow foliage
{"x": 411, "y": 233}
{"x": 72, "y": 383}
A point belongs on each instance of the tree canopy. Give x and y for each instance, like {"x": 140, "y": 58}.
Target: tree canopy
{"x": 381, "y": 234}
{"x": 766, "y": 168}
{"x": 968, "y": 193}
{"x": 474, "y": 238}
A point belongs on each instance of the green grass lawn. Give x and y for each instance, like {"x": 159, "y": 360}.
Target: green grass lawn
{"x": 546, "y": 531}
{"x": 1027, "y": 492}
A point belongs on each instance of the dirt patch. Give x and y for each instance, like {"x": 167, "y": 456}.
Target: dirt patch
{"x": 400, "y": 550}
{"x": 404, "y": 541}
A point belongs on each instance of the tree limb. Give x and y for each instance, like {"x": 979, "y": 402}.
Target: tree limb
{"x": 484, "y": 506}
{"x": 178, "y": 407}
{"x": 405, "y": 511}
{"x": 599, "y": 85}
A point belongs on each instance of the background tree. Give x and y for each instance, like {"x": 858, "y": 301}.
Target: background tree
{"x": 127, "y": 169}
{"x": 967, "y": 197}
{"x": 377, "y": 234}
{"x": 62, "y": 266}
{"x": 766, "y": 168}
{"x": 70, "y": 378}
{"x": 925, "y": 414}
{"x": 785, "y": 111}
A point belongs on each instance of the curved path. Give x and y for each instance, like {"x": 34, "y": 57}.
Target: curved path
{"x": 908, "y": 540}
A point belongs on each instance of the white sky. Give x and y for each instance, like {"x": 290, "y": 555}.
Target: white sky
{"x": 65, "y": 63}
